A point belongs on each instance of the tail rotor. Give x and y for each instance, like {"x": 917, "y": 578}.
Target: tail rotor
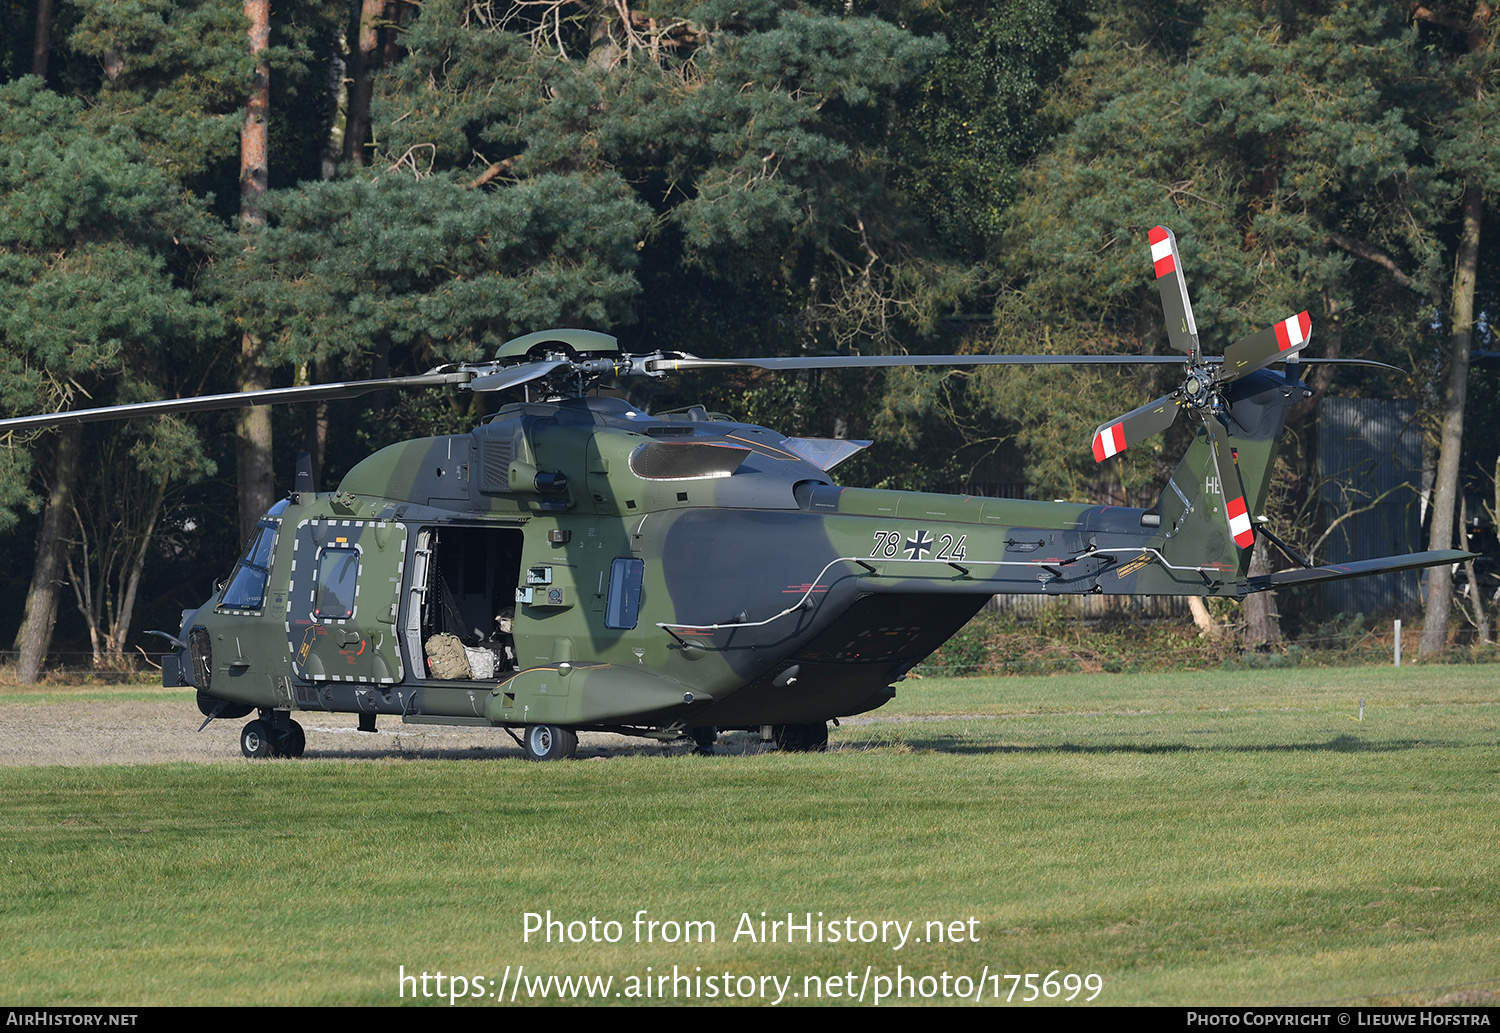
{"x": 1204, "y": 380}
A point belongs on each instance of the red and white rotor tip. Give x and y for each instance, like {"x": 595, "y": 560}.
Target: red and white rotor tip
{"x": 1109, "y": 441}
{"x": 1163, "y": 251}
{"x": 1239, "y": 523}
{"x": 1293, "y": 332}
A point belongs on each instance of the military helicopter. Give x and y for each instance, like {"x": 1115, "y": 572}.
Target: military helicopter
{"x": 672, "y": 574}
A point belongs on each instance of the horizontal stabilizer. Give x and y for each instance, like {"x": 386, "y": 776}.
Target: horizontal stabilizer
{"x": 1357, "y": 568}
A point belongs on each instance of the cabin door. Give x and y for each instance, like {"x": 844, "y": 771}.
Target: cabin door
{"x": 346, "y": 588}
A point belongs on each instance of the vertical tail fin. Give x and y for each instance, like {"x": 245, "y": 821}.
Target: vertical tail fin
{"x": 1205, "y": 518}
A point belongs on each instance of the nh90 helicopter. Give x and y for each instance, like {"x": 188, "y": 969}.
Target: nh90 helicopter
{"x": 668, "y": 575}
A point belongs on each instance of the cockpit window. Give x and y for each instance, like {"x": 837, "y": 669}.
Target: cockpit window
{"x": 685, "y": 460}
{"x": 247, "y": 585}
{"x": 338, "y": 570}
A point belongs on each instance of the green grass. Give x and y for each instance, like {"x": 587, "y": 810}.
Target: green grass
{"x": 82, "y": 694}
{"x": 1200, "y": 838}
{"x": 1305, "y": 689}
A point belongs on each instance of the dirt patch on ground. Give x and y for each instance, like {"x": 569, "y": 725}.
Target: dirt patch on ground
{"x": 84, "y": 735}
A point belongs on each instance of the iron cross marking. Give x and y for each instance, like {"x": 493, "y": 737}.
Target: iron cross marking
{"x": 918, "y": 545}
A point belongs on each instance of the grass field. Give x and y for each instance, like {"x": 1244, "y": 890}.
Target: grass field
{"x": 1229, "y": 838}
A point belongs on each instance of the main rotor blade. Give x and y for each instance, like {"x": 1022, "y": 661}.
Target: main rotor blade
{"x": 516, "y": 375}
{"x": 1235, "y": 510}
{"x": 239, "y": 400}
{"x": 1343, "y": 362}
{"x": 1279, "y": 342}
{"x": 1114, "y": 437}
{"x": 1182, "y": 329}
{"x": 692, "y": 362}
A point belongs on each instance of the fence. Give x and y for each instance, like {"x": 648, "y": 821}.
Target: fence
{"x": 1092, "y": 607}
{"x": 110, "y": 666}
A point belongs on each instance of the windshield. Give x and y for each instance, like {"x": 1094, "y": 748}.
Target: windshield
{"x": 247, "y": 585}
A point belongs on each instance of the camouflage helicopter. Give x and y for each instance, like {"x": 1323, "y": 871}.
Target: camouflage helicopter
{"x": 576, "y": 564}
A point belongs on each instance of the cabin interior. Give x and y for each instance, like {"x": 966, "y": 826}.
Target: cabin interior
{"x": 472, "y": 578}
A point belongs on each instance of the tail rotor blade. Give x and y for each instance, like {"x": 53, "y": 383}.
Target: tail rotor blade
{"x": 1235, "y": 511}
{"x": 1114, "y": 437}
{"x": 1182, "y": 329}
{"x": 1278, "y": 342}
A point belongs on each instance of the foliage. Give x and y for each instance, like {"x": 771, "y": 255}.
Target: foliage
{"x": 1058, "y": 642}
{"x": 89, "y": 232}
{"x": 1306, "y": 156}
{"x": 424, "y": 264}
{"x": 754, "y": 136}
{"x": 175, "y": 73}
{"x": 1259, "y": 133}
{"x": 979, "y": 115}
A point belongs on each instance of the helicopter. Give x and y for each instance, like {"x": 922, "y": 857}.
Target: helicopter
{"x": 575, "y": 563}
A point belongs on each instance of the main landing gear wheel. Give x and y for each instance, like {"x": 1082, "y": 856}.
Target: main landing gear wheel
{"x": 809, "y": 738}
{"x": 549, "y": 742}
{"x": 704, "y": 738}
{"x": 295, "y": 741}
{"x": 256, "y": 740}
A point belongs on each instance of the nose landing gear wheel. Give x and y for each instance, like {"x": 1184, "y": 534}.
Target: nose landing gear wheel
{"x": 256, "y": 740}
{"x": 549, "y": 742}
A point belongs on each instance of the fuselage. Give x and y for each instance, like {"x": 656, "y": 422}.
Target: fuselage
{"x": 662, "y": 572}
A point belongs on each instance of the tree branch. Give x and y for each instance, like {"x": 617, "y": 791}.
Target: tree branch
{"x": 496, "y": 169}
{"x": 1473, "y": 29}
{"x": 1318, "y": 544}
{"x": 1380, "y": 258}
{"x": 1426, "y": 14}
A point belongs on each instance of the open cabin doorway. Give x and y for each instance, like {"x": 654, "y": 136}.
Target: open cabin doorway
{"x": 465, "y": 580}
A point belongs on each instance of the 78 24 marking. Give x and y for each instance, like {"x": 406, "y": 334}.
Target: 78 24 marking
{"x": 916, "y": 546}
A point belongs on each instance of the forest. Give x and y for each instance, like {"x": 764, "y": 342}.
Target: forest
{"x": 204, "y": 196}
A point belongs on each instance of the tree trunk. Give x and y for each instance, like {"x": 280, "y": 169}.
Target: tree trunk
{"x": 1262, "y": 621}
{"x": 1445, "y": 492}
{"x": 35, "y": 636}
{"x": 361, "y": 82}
{"x": 84, "y": 597}
{"x": 252, "y": 446}
{"x": 315, "y": 421}
{"x": 135, "y": 566}
{"x": 1474, "y": 593}
{"x": 1320, "y": 377}
{"x": 253, "y": 136}
{"x": 392, "y": 48}
{"x": 1201, "y": 617}
{"x": 41, "y": 46}
{"x": 107, "y": 582}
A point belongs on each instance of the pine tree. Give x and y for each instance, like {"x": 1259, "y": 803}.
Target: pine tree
{"x": 89, "y": 234}
{"x": 1307, "y": 155}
